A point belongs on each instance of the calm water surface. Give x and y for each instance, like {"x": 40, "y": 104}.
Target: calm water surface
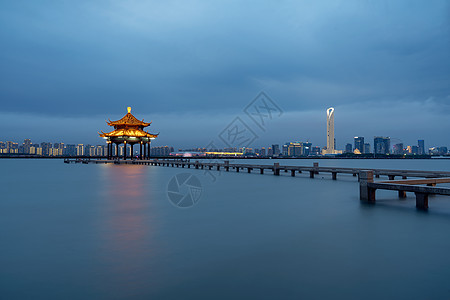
{"x": 109, "y": 232}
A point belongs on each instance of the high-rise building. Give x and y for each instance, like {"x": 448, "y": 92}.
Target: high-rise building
{"x": 276, "y": 149}
{"x": 46, "y": 148}
{"x": 36, "y": 149}
{"x": 26, "y": 146}
{"x": 100, "y": 150}
{"x": 263, "y": 151}
{"x": 414, "y": 150}
{"x": 307, "y": 148}
{"x": 330, "y": 130}
{"x": 366, "y": 148}
{"x": 58, "y": 149}
{"x": 348, "y": 148}
{"x": 331, "y": 141}
{"x": 80, "y": 150}
{"x": 295, "y": 149}
{"x": 315, "y": 151}
{"x": 12, "y": 147}
{"x": 71, "y": 150}
{"x": 398, "y": 148}
{"x": 421, "y": 149}
{"x": 359, "y": 143}
{"x": 381, "y": 145}
{"x": 284, "y": 151}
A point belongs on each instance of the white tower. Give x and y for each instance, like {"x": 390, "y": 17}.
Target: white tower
{"x": 330, "y": 131}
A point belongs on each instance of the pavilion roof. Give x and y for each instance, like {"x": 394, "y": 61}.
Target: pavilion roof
{"x": 129, "y": 119}
{"x": 128, "y": 132}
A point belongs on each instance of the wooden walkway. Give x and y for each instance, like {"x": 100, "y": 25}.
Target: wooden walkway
{"x": 422, "y": 188}
{"x": 368, "y": 186}
{"x": 276, "y": 168}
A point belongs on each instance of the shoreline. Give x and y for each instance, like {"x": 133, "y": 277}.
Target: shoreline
{"x": 398, "y": 157}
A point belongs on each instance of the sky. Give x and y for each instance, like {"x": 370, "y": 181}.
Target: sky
{"x": 193, "y": 67}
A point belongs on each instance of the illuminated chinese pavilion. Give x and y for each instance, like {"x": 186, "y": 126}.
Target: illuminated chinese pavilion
{"x": 128, "y": 131}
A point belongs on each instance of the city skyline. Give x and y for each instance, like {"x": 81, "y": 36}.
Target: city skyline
{"x": 381, "y": 146}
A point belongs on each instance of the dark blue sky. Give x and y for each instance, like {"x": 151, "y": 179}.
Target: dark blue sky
{"x": 193, "y": 66}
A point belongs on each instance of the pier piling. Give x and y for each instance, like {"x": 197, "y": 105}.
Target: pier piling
{"x": 276, "y": 169}
{"x": 365, "y": 192}
{"x": 421, "y": 201}
{"x": 316, "y": 165}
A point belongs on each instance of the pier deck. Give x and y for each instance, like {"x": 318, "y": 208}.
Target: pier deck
{"x": 276, "y": 168}
{"x": 365, "y": 177}
{"x": 422, "y": 188}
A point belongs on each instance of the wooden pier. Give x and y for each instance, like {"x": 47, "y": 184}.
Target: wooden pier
{"x": 368, "y": 186}
{"x": 422, "y": 188}
{"x": 276, "y": 168}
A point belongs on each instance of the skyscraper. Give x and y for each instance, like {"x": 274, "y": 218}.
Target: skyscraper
{"x": 398, "y": 148}
{"x": 295, "y": 149}
{"x": 285, "y": 149}
{"x": 26, "y": 146}
{"x": 307, "y": 148}
{"x": 348, "y": 148}
{"x": 359, "y": 143}
{"x": 331, "y": 141}
{"x": 46, "y": 148}
{"x": 381, "y": 145}
{"x": 330, "y": 130}
{"x": 421, "y": 150}
{"x": 276, "y": 149}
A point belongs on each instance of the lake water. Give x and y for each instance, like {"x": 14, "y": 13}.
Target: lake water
{"x": 110, "y": 232}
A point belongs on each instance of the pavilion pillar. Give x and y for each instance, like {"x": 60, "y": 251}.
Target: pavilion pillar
{"x": 131, "y": 150}
{"x": 108, "y": 153}
{"x": 145, "y": 151}
{"x": 148, "y": 150}
{"x": 117, "y": 149}
{"x": 140, "y": 152}
{"x": 124, "y": 150}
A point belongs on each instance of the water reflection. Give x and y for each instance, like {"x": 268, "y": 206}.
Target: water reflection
{"x": 127, "y": 227}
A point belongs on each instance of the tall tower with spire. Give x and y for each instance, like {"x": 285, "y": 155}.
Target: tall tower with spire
{"x": 331, "y": 147}
{"x": 330, "y": 131}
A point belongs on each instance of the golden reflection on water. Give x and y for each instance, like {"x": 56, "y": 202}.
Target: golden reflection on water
{"x": 127, "y": 227}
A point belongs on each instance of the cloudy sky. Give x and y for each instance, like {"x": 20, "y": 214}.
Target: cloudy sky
{"x": 192, "y": 67}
